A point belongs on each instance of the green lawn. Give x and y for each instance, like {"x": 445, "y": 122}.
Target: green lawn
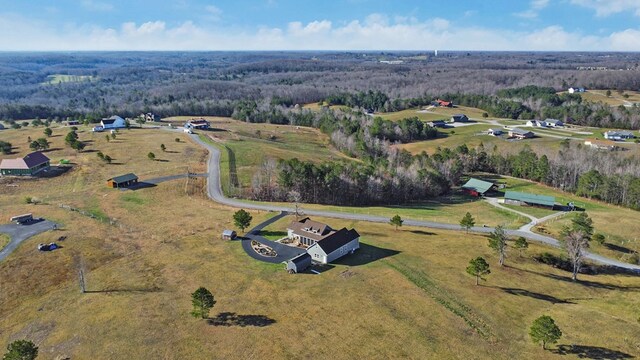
{"x": 59, "y": 78}
{"x": 4, "y": 240}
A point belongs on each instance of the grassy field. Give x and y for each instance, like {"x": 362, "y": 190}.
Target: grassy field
{"x": 449, "y": 209}
{"x": 616, "y": 99}
{"x": 59, "y": 78}
{"x": 618, "y": 224}
{"x": 4, "y": 240}
{"x": 533, "y": 211}
{"x": 436, "y": 113}
{"x": 404, "y": 294}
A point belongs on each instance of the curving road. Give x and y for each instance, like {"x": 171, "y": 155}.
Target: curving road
{"x": 214, "y": 191}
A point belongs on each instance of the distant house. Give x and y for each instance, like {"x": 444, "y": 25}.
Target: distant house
{"x": 323, "y": 243}
{"x": 122, "y": 181}
{"x": 618, "y": 135}
{"x": 601, "y": 144}
{"x": 443, "y": 103}
{"x": 495, "y": 132}
{"x": 526, "y": 199}
{"x": 151, "y": 117}
{"x": 536, "y": 123}
{"x": 26, "y": 166}
{"x": 576, "y": 90}
{"x": 229, "y": 235}
{"x": 299, "y": 263}
{"x": 459, "y": 118}
{"x": 438, "y": 123}
{"x": 518, "y": 133}
{"x": 114, "y": 122}
{"x": 477, "y": 187}
{"x": 553, "y": 123}
{"x": 200, "y": 124}
{"x": 73, "y": 122}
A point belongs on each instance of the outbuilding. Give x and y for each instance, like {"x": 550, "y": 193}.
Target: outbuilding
{"x": 526, "y": 199}
{"x": 495, "y": 132}
{"x": 122, "y": 181}
{"x": 299, "y": 263}
{"x": 26, "y": 166}
{"x": 477, "y": 187}
{"x": 229, "y": 235}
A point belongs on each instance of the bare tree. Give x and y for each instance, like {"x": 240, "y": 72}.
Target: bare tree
{"x": 295, "y": 198}
{"x": 575, "y": 244}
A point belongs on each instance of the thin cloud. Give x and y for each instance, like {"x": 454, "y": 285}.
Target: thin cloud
{"x": 609, "y": 7}
{"x": 373, "y": 33}
{"x": 93, "y": 5}
{"x": 534, "y": 8}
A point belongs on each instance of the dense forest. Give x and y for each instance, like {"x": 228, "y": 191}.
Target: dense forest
{"x": 213, "y": 83}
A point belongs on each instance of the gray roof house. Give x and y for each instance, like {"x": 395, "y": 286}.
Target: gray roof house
{"x": 459, "y": 118}
{"x": 114, "y": 122}
{"x": 618, "y": 135}
{"x": 324, "y": 244}
{"x": 520, "y": 133}
{"x": 553, "y": 122}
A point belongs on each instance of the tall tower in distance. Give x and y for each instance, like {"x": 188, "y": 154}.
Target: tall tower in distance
{"x": 436, "y": 53}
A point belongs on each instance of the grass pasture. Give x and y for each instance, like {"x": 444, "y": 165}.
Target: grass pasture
{"x": 435, "y": 113}
{"x": 404, "y": 294}
{"x": 4, "y": 240}
{"x": 60, "y": 79}
{"x": 616, "y": 99}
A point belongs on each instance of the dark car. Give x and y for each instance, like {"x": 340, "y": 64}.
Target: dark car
{"x": 48, "y": 247}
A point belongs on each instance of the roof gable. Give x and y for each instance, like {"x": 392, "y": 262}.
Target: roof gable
{"x": 338, "y": 239}
{"x": 478, "y": 185}
{"x": 530, "y": 198}
{"x": 124, "y": 178}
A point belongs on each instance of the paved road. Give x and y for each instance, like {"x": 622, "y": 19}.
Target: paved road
{"x": 20, "y": 233}
{"x": 283, "y": 252}
{"x": 215, "y": 193}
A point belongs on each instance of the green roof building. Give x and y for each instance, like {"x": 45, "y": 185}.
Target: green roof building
{"x": 476, "y": 187}
{"x": 520, "y": 198}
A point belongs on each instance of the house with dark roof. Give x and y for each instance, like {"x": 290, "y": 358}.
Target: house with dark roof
{"x": 495, "y": 132}
{"x": 114, "y": 122}
{"x": 122, "y": 181}
{"x": 553, "y": 123}
{"x": 150, "y": 117}
{"x": 526, "y": 199}
{"x": 618, "y": 135}
{"x": 518, "y": 133}
{"x": 438, "y": 123}
{"x": 477, "y": 187}
{"x": 459, "y": 118}
{"x": 324, "y": 244}
{"x": 200, "y": 124}
{"x": 26, "y": 166}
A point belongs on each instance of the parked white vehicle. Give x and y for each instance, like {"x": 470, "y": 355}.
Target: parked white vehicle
{"x": 188, "y": 130}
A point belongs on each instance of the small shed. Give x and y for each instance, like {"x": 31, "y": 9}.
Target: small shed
{"x": 229, "y": 235}
{"x": 122, "y": 181}
{"x": 299, "y": 263}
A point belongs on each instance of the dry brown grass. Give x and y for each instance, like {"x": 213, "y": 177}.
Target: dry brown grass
{"x": 167, "y": 244}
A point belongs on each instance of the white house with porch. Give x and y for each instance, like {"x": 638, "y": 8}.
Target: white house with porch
{"x": 324, "y": 244}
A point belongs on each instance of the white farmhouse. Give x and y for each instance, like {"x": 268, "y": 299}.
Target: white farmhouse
{"x": 114, "y": 122}
{"x": 324, "y": 244}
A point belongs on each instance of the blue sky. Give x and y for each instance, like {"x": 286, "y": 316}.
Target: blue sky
{"x": 323, "y": 25}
